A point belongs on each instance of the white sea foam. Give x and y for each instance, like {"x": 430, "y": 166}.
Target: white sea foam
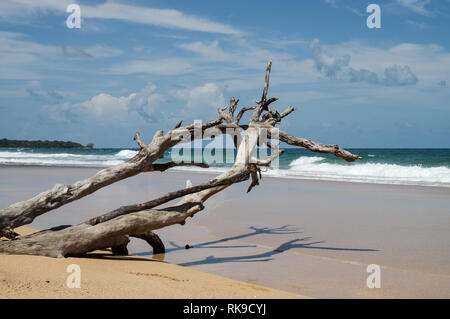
{"x": 309, "y": 167}
{"x": 315, "y": 168}
{"x": 64, "y": 159}
{"x": 126, "y": 154}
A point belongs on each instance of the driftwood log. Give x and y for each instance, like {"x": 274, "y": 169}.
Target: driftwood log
{"x": 113, "y": 229}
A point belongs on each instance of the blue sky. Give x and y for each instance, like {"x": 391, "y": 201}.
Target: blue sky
{"x": 144, "y": 65}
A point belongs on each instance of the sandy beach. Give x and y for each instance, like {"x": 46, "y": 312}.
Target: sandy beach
{"x": 287, "y": 238}
{"x": 106, "y": 276}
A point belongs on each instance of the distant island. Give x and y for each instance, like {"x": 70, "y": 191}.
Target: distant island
{"x": 5, "y": 143}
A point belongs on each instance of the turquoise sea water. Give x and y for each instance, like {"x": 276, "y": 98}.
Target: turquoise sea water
{"x": 398, "y": 166}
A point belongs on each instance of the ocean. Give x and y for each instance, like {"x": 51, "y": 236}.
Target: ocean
{"x": 428, "y": 167}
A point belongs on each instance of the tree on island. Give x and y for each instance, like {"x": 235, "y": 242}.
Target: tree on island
{"x": 42, "y": 144}
{"x": 113, "y": 229}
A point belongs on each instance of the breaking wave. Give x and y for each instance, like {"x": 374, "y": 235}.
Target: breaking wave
{"x": 384, "y": 167}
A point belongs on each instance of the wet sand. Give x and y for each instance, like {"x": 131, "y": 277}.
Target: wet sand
{"x": 313, "y": 238}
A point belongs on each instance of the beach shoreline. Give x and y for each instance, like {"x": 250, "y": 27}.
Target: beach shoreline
{"x": 216, "y": 172}
{"x": 427, "y": 167}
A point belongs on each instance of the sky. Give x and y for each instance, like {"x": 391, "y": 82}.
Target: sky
{"x": 142, "y": 66}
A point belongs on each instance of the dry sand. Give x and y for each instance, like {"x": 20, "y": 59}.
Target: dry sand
{"x": 107, "y": 276}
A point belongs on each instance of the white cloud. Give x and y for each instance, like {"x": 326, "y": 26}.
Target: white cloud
{"x": 362, "y": 75}
{"x": 172, "y": 66}
{"x": 19, "y": 10}
{"x": 399, "y": 75}
{"x": 355, "y": 11}
{"x": 17, "y": 42}
{"x": 418, "y": 6}
{"x": 96, "y": 51}
{"x": 331, "y": 66}
{"x": 429, "y": 62}
{"x": 419, "y": 25}
{"x": 146, "y": 102}
{"x": 168, "y": 18}
{"x": 244, "y": 63}
{"x": 72, "y": 52}
{"x": 104, "y": 108}
{"x": 19, "y": 56}
{"x": 23, "y": 58}
{"x": 210, "y": 52}
{"x": 241, "y": 52}
{"x": 208, "y": 95}
{"x": 103, "y": 51}
{"x": 331, "y": 2}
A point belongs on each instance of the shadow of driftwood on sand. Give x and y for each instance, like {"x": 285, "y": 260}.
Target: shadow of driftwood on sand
{"x": 299, "y": 243}
{"x": 256, "y": 231}
{"x": 267, "y": 256}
